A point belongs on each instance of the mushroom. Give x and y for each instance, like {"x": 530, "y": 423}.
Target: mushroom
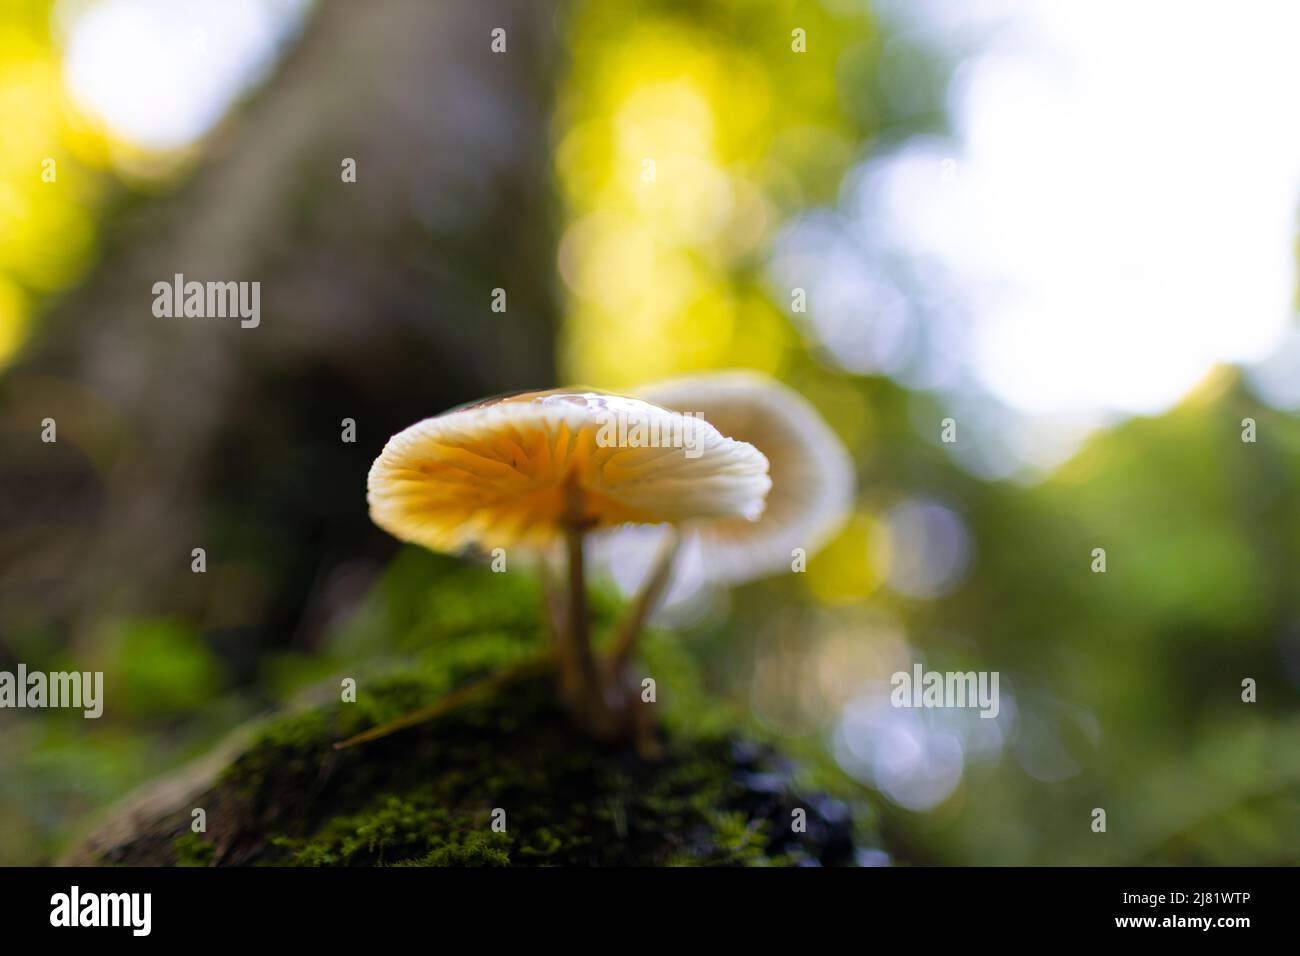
{"x": 812, "y": 490}
{"x": 538, "y": 469}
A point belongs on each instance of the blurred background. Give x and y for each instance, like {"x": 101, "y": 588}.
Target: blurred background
{"x": 1070, "y": 228}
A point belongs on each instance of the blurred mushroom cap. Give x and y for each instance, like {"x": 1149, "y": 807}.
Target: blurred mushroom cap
{"x": 496, "y": 473}
{"x": 811, "y": 471}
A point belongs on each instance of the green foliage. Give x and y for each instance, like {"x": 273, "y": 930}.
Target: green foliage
{"x": 192, "y": 850}
{"x": 159, "y": 667}
{"x": 474, "y": 849}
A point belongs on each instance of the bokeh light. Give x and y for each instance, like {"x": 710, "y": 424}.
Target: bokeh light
{"x": 161, "y": 73}
{"x": 929, "y": 548}
{"x": 1104, "y": 263}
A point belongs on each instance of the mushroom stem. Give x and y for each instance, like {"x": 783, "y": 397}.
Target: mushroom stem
{"x": 633, "y": 622}
{"x": 552, "y": 601}
{"x": 580, "y": 682}
{"x": 577, "y": 635}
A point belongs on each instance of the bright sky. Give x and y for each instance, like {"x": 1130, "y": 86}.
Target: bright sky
{"x": 1115, "y": 215}
{"x": 161, "y": 73}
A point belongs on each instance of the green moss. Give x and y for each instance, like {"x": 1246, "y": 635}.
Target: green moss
{"x": 426, "y": 796}
{"x": 476, "y": 849}
{"x": 291, "y": 743}
{"x": 389, "y": 829}
{"x": 192, "y": 850}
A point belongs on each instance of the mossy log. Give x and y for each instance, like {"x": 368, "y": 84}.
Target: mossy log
{"x": 501, "y": 781}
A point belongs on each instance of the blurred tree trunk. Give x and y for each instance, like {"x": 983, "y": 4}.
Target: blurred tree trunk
{"x": 175, "y": 434}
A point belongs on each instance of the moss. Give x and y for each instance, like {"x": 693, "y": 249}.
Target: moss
{"x": 289, "y": 743}
{"x": 192, "y": 850}
{"x": 428, "y": 796}
{"x": 389, "y": 829}
{"x": 476, "y": 849}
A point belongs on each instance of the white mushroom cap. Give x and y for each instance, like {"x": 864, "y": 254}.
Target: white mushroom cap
{"x": 812, "y": 477}
{"x": 497, "y": 473}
